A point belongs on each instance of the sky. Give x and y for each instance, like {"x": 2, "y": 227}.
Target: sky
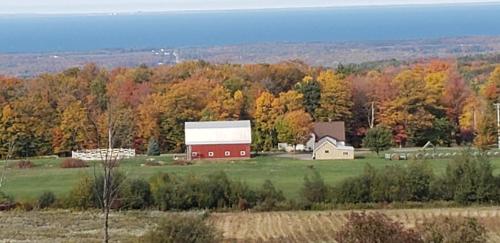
{"x": 109, "y": 6}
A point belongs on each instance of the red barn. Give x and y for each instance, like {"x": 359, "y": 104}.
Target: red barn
{"x": 218, "y": 140}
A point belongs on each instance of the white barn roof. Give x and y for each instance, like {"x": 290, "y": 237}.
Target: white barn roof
{"x": 218, "y": 132}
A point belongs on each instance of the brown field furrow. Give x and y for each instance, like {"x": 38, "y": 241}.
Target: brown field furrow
{"x": 226, "y": 224}
{"x": 270, "y": 227}
{"x": 279, "y": 225}
{"x": 290, "y": 228}
{"x": 243, "y": 231}
{"x": 251, "y": 224}
{"x": 260, "y": 228}
{"x": 311, "y": 229}
{"x": 332, "y": 225}
{"x": 326, "y": 229}
{"x": 299, "y": 229}
{"x": 336, "y": 220}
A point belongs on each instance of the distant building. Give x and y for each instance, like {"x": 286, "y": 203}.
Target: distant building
{"x": 218, "y": 140}
{"x": 328, "y": 141}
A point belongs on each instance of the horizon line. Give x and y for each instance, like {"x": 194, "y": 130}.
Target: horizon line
{"x": 187, "y": 10}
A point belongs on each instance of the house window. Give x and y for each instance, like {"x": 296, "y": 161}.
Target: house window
{"x": 243, "y": 153}
{"x": 327, "y": 151}
{"x": 346, "y": 153}
{"x": 210, "y": 154}
{"x": 227, "y": 153}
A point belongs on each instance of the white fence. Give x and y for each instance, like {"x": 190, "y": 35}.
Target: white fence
{"x": 101, "y": 154}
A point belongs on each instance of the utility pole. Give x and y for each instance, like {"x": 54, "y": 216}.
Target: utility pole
{"x": 371, "y": 115}
{"x": 497, "y": 105}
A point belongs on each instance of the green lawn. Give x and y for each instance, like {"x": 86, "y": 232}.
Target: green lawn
{"x": 286, "y": 173}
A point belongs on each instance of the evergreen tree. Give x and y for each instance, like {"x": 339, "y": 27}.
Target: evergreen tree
{"x": 153, "y": 148}
{"x": 311, "y": 91}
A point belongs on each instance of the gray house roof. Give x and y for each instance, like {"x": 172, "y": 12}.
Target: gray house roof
{"x": 334, "y": 129}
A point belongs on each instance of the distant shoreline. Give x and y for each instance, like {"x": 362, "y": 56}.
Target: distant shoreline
{"x": 312, "y": 53}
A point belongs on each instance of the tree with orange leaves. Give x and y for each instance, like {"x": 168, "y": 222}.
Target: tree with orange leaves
{"x": 294, "y": 127}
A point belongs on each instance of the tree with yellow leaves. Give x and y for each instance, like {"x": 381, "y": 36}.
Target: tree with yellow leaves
{"x": 223, "y": 105}
{"x": 336, "y": 98}
{"x": 294, "y": 127}
{"x": 290, "y": 101}
{"x": 408, "y": 110}
{"x": 265, "y": 117}
{"x": 487, "y": 130}
{"x": 70, "y": 135}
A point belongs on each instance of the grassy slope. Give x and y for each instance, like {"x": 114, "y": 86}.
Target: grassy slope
{"x": 287, "y": 174}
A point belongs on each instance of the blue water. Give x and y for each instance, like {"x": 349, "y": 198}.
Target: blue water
{"x": 181, "y": 29}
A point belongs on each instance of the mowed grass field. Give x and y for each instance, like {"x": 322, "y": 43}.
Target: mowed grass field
{"x": 297, "y": 226}
{"x": 286, "y": 173}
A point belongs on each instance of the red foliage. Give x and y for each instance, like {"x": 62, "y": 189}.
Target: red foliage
{"x": 24, "y": 164}
{"x": 73, "y": 163}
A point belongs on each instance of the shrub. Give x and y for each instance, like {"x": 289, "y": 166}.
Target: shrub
{"x": 443, "y": 230}
{"x": 391, "y": 184}
{"x": 356, "y": 189}
{"x": 25, "y": 206}
{"x": 73, "y": 163}
{"x": 242, "y": 196}
{"x": 189, "y": 192}
{"x": 117, "y": 185}
{"x": 419, "y": 179}
{"x": 469, "y": 178}
{"x": 269, "y": 197}
{"x": 4, "y": 198}
{"x": 24, "y": 164}
{"x": 217, "y": 191}
{"x": 46, "y": 200}
{"x": 137, "y": 194}
{"x": 375, "y": 227}
{"x": 162, "y": 188}
{"x": 315, "y": 189}
{"x": 185, "y": 229}
{"x": 378, "y": 139}
{"x": 153, "y": 147}
{"x": 6, "y": 201}
{"x": 82, "y": 195}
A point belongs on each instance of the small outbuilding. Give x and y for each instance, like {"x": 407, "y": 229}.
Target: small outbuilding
{"x": 218, "y": 140}
{"x": 328, "y": 141}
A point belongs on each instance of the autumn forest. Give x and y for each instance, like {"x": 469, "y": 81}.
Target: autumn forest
{"x": 445, "y": 101}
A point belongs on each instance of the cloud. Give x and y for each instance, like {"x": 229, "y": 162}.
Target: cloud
{"x": 82, "y": 6}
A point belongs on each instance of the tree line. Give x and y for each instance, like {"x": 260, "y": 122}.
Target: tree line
{"x": 443, "y": 101}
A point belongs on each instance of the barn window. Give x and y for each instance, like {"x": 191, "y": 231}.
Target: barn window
{"x": 210, "y": 154}
{"x": 327, "y": 151}
{"x": 243, "y": 153}
{"x": 227, "y": 153}
{"x": 194, "y": 154}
